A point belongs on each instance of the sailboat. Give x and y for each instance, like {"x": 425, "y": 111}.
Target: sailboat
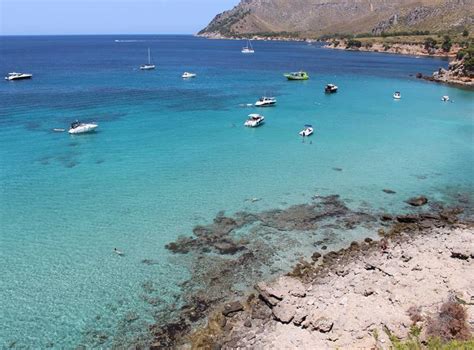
{"x": 148, "y": 66}
{"x": 248, "y": 48}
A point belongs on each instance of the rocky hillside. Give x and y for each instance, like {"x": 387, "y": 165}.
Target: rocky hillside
{"x": 312, "y": 18}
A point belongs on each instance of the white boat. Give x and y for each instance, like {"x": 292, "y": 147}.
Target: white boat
{"x": 148, "y": 66}
{"x": 18, "y": 76}
{"x": 397, "y": 95}
{"x": 187, "y": 75}
{"x": 248, "y": 48}
{"x": 82, "y": 128}
{"x": 330, "y": 88}
{"x": 254, "y": 120}
{"x": 445, "y": 98}
{"x": 307, "y": 131}
{"x": 265, "y": 102}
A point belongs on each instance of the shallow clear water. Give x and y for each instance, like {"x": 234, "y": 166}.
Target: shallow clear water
{"x": 170, "y": 154}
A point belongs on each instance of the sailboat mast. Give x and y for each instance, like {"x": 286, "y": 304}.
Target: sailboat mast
{"x": 149, "y": 60}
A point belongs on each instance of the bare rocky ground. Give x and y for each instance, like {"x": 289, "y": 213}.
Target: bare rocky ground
{"x": 356, "y": 297}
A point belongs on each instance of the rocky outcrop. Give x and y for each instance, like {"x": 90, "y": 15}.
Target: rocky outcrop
{"x": 312, "y": 18}
{"x": 458, "y": 73}
{"x": 366, "y": 297}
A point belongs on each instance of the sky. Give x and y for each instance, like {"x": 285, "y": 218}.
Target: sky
{"x": 42, "y": 17}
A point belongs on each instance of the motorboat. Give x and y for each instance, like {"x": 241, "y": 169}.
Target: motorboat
{"x": 445, "y": 98}
{"x": 148, "y": 66}
{"x": 266, "y": 102}
{"x": 254, "y": 120}
{"x": 81, "y": 128}
{"x": 297, "y": 76}
{"x": 330, "y": 88}
{"x": 18, "y": 76}
{"x": 248, "y": 48}
{"x": 187, "y": 75}
{"x": 397, "y": 95}
{"x": 307, "y": 131}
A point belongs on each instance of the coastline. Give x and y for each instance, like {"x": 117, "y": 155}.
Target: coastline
{"x": 242, "y": 319}
{"x": 370, "y": 295}
{"x": 441, "y": 76}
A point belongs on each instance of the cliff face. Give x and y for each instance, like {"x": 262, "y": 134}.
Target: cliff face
{"x": 309, "y": 18}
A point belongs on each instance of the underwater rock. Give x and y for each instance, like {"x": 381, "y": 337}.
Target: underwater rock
{"x": 417, "y": 201}
{"x": 388, "y": 191}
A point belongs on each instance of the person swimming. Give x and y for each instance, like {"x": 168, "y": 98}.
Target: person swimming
{"x": 118, "y": 252}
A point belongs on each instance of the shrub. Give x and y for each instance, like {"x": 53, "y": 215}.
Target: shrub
{"x": 415, "y": 314}
{"x": 430, "y": 43}
{"x": 446, "y": 46}
{"x": 354, "y": 43}
{"x": 465, "y": 33}
{"x": 450, "y": 323}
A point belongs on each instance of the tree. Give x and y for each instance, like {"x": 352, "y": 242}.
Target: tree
{"x": 446, "y": 46}
{"x": 430, "y": 43}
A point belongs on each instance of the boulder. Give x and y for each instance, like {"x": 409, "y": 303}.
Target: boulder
{"x": 268, "y": 294}
{"x": 284, "y": 312}
{"x": 232, "y": 308}
{"x": 417, "y": 201}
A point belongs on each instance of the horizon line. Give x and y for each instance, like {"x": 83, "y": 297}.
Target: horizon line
{"x": 105, "y": 34}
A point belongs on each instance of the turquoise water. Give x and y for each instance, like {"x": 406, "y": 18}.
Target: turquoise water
{"x": 170, "y": 154}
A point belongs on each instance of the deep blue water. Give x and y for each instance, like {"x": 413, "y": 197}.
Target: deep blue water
{"x": 170, "y": 154}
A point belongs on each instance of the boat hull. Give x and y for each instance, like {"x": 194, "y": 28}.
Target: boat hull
{"x": 83, "y": 129}
{"x": 20, "y": 77}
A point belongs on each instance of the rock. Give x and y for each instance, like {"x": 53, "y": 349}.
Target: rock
{"x": 388, "y": 191}
{"x": 460, "y": 256}
{"x": 321, "y": 323}
{"x": 417, "y": 201}
{"x": 315, "y": 256}
{"x": 284, "y": 312}
{"x": 386, "y": 217}
{"x": 324, "y": 247}
{"x": 419, "y": 75}
{"x": 228, "y": 247}
{"x": 368, "y": 240}
{"x": 407, "y": 218}
{"x": 232, "y": 307}
{"x": 248, "y": 323}
{"x": 268, "y": 294}
{"x": 300, "y": 316}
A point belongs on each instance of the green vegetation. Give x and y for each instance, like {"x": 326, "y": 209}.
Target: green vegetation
{"x": 430, "y": 43}
{"x": 465, "y": 33}
{"x": 352, "y": 43}
{"x": 447, "y": 44}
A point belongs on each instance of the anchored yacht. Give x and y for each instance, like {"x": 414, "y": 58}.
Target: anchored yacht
{"x": 265, "y": 102}
{"x": 148, "y": 66}
{"x": 330, "y": 88}
{"x": 254, "y": 120}
{"x": 18, "y": 76}
{"x": 81, "y": 128}
{"x": 307, "y": 131}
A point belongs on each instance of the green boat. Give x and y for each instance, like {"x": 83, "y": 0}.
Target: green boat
{"x": 297, "y": 76}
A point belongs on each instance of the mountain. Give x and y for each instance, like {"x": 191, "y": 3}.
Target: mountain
{"x": 313, "y": 18}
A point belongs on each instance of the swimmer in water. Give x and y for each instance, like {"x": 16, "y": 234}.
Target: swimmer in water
{"x": 118, "y": 252}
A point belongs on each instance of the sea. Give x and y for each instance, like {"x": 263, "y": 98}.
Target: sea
{"x": 170, "y": 154}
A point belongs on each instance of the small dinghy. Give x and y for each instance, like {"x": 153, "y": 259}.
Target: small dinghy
{"x": 81, "y": 128}
{"x": 187, "y": 75}
{"x": 254, "y": 120}
{"x": 397, "y": 95}
{"x": 445, "y": 98}
{"x": 59, "y": 130}
{"x": 307, "y": 131}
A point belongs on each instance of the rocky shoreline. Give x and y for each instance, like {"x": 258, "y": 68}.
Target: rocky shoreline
{"x": 369, "y": 295}
{"x": 216, "y": 313}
